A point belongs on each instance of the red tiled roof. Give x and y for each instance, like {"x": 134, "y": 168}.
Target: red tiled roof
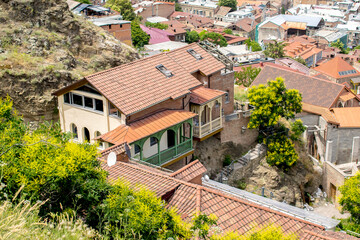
{"x": 190, "y": 171}
{"x": 347, "y": 96}
{"x": 203, "y": 95}
{"x": 236, "y": 39}
{"x": 324, "y": 235}
{"x": 334, "y": 66}
{"x": 321, "y": 111}
{"x": 234, "y": 213}
{"x": 156, "y": 35}
{"x": 246, "y": 24}
{"x": 146, "y": 126}
{"x": 314, "y": 90}
{"x": 223, "y": 11}
{"x": 117, "y": 149}
{"x": 348, "y": 117}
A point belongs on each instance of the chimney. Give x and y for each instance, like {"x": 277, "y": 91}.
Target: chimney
{"x": 120, "y": 152}
{"x": 261, "y": 64}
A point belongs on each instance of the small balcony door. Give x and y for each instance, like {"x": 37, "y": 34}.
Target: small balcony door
{"x": 170, "y": 138}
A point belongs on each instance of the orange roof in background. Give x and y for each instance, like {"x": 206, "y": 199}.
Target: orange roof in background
{"x": 334, "y": 66}
{"x": 348, "y": 117}
{"x": 294, "y": 25}
{"x": 202, "y": 95}
{"x": 296, "y": 49}
{"x": 146, "y": 126}
{"x": 311, "y": 53}
{"x": 347, "y": 96}
{"x": 254, "y": 3}
{"x": 190, "y": 171}
{"x": 322, "y": 111}
{"x": 236, "y": 39}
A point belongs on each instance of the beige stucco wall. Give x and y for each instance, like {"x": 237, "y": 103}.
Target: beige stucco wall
{"x": 92, "y": 120}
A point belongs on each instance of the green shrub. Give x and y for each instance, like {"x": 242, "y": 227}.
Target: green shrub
{"x": 227, "y": 160}
{"x": 281, "y": 152}
{"x": 157, "y": 25}
{"x": 241, "y": 184}
{"x": 297, "y": 128}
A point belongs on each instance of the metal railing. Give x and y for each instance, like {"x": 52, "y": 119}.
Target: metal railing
{"x": 170, "y": 153}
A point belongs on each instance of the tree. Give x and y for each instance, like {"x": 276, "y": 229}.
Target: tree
{"x": 178, "y": 7}
{"x": 191, "y": 37}
{"x": 84, "y": 1}
{"x": 229, "y": 3}
{"x": 215, "y": 38}
{"x": 283, "y": 9}
{"x": 273, "y": 102}
{"x": 350, "y": 196}
{"x": 297, "y": 128}
{"x": 157, "y": 25}
{"x": 138, "y": 36}
{"x": 275, "y": 50}
{"x": 139, "y": 214}
{"x": 280, "y": 152}
{"x": 246, "y": 76}
{"x": 300, "y": 60}
{"x": 228, "y": 31}
{"x": 253, "y": 45}
{"x": 124, "y": 7}
{"x": 338, "y": 44}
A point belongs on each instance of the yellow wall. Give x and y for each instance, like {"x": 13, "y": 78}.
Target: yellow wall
{"x": 92, "y": 120}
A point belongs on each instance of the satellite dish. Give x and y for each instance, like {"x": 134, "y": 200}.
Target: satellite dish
{"x": 111, "y": 159}
{"x": 206, "y": 177}
{"x": 127, "y": 149}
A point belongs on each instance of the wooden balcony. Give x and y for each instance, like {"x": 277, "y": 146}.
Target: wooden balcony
{"x": 208, "y": 128}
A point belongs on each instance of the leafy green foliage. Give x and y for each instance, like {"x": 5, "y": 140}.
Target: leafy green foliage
{"x": 350, "y": 196}
{"x": 124, "y": 7}
{"x": 253, "y": 45}
{"x": 178, "y": 7}
{"x": 215, "y": 38}
{"x": 128, "y": 213}
{"x": 300, "y": 60}
{"x": 297, "y": 128}
{"x": 281, "y": 152}
{"x": 350, "y": 224}
{"x": 202, "y": 224}
{"x": 227, "y": 160}
{"x": 273, "y": 102}
{"x": 191, "y": 37}
{"x": 275, "y": 50}
{"x": 267, "y": 232}
{"x": 246, "y": 76}
{"x": 157, "y": 25}
{"x": 228, "y": 3}
{"x": 228, "y": 31}
{"x": 138, "y": 36}
{"x": 338, "y": 44}
{"x": 84, "y": 1}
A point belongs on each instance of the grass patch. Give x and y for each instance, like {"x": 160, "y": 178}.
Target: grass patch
{"x": 240, "y": 94}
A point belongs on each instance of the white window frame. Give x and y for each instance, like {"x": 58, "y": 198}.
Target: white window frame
{"x": 93, "y": 109}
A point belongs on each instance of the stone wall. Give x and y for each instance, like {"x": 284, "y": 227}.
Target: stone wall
{"x": 233, "y": 132}
{"x": 332, "y": 178}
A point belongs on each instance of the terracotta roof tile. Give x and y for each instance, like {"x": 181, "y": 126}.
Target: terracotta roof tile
{"x": 336, "y": 65}
{"x": 325, "y": 235}
{"x": 190, "y": 171}
{"x": 146, "y": 126}
{"x": 348, "y": 117}
{"x": 223, "y": 11}
{"x": 314, "y": 91}
{"x": 202, "y": 95}
{"x": 347, "y": 96}
{"x": 246, "y": 24}
{"x": 137, "y": 85}
{"x": 322, "y": 111}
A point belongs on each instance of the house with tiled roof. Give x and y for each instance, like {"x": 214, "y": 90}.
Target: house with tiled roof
{"x": 157, "y": 105}
{"x": 309, "y": 52}
{"x": 339, "y": 71}
{"x": 190, "y": 192}
{"x": 244, "y": 27}
{"x": 330, "y": 111}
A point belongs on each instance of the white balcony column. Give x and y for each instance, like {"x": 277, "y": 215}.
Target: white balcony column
{"x": 210, "y": 105}
{"x": 200, "y": 114}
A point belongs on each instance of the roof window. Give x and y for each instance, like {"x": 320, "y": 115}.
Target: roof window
{"x": 164, "y": 70}
{"x": 342, "y": 73}
{"x": 194, "y": 54}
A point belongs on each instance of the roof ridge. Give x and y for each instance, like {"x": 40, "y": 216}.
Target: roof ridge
{"x": 184, "y": 167}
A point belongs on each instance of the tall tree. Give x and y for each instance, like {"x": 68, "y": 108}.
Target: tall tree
{"x": 338, "y": 44}
{"x": 191, "y": 37}
{"x": 229, "y": 3}
{"x": 273, "y": 102}
{"x": 124, "y": 7}
{"x": 350, "y": 196}
{"x": 246, "y": 76}
{"x": 275, "y": 50}
{"x": 215, "y": 38}
{"x": 253, "y": 45}
{"x": 138, "y": 36}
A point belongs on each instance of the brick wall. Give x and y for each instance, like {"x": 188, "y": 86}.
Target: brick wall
{"x": 232, "y": 132}
{"x": 121, "y": 32}
{"x": 168, "y": 104}
{"x": 332, "y": 177}
{"x": 224, "y": 82}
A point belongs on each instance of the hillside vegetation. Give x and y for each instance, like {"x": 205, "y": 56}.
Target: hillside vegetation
{"x": 44, "y": 47}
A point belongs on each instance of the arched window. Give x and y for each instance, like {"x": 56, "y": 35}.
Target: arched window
{"x": 86, "y": 135}
{"x": 101, "y": 144}
{"x": 74, "y": 130}
{"x": 227, "y": 96}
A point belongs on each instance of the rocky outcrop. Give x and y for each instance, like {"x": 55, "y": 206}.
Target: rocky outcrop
{"x": 44, "y": 47}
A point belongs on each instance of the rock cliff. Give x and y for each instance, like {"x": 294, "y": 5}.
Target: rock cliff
{"x": 44, "y": 47}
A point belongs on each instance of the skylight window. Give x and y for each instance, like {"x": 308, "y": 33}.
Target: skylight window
{"x": 164, "y": 70}
{"x": 194, "y": 54}
{"x": 342, "y": 73}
